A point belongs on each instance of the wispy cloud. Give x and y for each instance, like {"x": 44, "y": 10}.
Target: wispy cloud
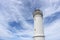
{"x": 13, "y": 16}
{"x": 16, "y": 19}
{"x": 52, "y": 31}
{"x": 52, "y": 20}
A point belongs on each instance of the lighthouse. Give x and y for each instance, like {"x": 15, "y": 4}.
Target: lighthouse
{"x": 38, "y": 25}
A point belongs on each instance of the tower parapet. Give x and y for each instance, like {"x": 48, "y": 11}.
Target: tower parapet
{"x": 37, "y": 12}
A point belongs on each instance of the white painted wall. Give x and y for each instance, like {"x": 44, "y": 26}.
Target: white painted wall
{"x": 38, "y": 27}
{"x": 39, "y": 38}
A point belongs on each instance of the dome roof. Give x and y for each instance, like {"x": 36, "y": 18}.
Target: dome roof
{"x": 37, "y": 12}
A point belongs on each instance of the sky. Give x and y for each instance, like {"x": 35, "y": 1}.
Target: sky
{"x": 17, "y": 23}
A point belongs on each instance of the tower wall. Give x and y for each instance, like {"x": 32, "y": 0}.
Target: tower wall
{"x": 38, "y": 26}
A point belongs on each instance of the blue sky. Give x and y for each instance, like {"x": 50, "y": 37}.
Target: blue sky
{"x": 16, "y": 19}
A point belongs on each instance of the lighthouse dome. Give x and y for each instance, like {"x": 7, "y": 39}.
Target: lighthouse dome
{"x": 37, "y": 12}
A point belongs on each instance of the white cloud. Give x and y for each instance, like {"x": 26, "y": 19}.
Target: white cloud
{"x": 50, "y": 7}
{"x": 52, "y": 30}
{"x": 10, "y": 11}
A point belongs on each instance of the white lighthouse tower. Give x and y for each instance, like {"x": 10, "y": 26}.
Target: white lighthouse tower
{"x": 38, "y": 25}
